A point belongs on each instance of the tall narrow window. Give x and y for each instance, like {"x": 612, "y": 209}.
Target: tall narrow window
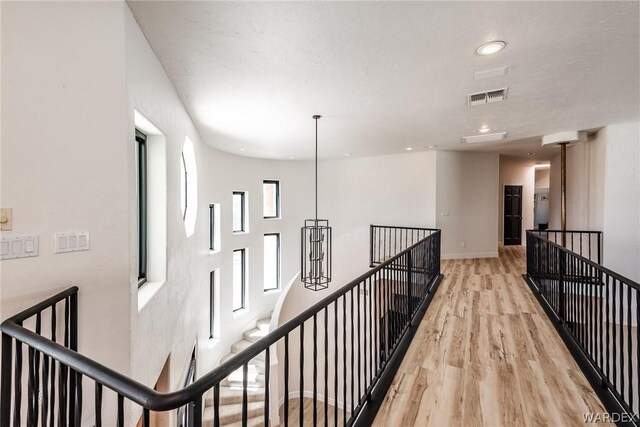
{"x": 212, "y": 301}
{"x": 271, "y": 261}
{"x": 239, "y": 211}
{"x": 239, "y": 279}
{"x": 141, "y": 190}
{"x": 212, "y": 227}
{"x": 184, "y": 182}
{"x": 271, "y": 199}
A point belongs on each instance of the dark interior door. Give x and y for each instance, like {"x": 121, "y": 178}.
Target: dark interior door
{"x": 513, "y": 214}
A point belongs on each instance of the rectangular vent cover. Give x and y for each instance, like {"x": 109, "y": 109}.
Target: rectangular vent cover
{"x": 487, "y": 137}
{"x": 480, "y": 98}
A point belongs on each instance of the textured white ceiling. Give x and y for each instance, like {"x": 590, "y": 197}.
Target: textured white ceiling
{"x": 390, "y": 75}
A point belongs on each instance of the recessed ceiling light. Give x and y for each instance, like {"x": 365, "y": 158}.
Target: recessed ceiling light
{"x": 433, "y": 146}
{"x": 533, "y": 153}
{"x": 491, "y": 47}
{"x": 484, "y": 129}
{"x": 242, "y": 149}
{"x": 292, "y": 157}
{"x": 409, "y": 148}
{"x": 347, "y": 154}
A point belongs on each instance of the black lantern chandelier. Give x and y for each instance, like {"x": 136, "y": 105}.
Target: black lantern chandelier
{"x": 316, "y": 244}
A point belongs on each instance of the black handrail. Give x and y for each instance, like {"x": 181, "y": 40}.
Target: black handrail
{"x": 425, "y": 254}
{"x": 593, "y": 309}
{"x": 587, "y": 243}
{"x": 388, "y": 240}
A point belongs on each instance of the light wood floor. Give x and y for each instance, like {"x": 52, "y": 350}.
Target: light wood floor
{"x": 485, "y": 354}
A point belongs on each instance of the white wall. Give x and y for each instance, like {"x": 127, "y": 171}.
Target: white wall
{"x": 467, "y": 203}
{"x": 64, "y": 163}
{"x": 585, "y": 189}
{"x": 542, "y": 178}
{"x": 514, "y": 171}
{"x": 603, "y": 193}
{"x": 622, "y": 200}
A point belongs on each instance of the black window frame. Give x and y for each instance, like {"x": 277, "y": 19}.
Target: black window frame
{"x": 212, "y": 301}
{"x": 278, "y": 260}
{"x": 277, "y": 184}
{"x": 141, "y": 195}
{"x": 243, "y": 280}
{"x": 212, "y": 227}
{"x": 243, "y": 208}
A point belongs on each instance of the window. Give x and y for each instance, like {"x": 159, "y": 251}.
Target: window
{"x": 184, "y": 191}
{"x": 212, "y": 301}
{"x": 271, "y": 199}
{"x": 239, "y": 214}
{"x": 239, "y": 279}
{"x": 214, "y": 214}
{"x": 141, "y": 190}
{"x": 271, "y": 261}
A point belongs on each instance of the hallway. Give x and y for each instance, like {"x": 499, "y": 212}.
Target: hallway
{"x": 486, "y": 354}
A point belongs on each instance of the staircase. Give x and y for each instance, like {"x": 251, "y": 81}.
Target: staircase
{"x": 231, "y": 388}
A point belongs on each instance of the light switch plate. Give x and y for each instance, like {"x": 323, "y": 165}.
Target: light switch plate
{"x": 73, "y": 241}
{"x": 18, "y": 247}
{"x": 6, "y": 219}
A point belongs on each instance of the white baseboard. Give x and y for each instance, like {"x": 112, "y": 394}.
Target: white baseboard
{"x": 470, "y": 255}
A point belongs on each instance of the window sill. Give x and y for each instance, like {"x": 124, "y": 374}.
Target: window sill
{"x": 240, "y": 232}
{"x": 214, "y": 251}
{"x": 239, "y": 313}
{"x": 272, "y": 291}
{"x": 146, "y": 293}
{"x": 272, "y": 218}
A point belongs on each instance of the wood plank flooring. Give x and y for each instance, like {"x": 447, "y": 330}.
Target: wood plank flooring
{"x": 485, "y": 354}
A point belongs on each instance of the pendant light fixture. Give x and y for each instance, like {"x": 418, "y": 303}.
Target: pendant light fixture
{"x": 316, "y": 244}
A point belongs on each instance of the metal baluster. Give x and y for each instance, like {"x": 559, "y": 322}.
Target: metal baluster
{"x": 335, "y": 360}
{"x": 637, "y": 409}
{"x": 197, "y": 412}
{"x": 352, "y": 355}
{"x": 344, "y": 359}
{"x": 245, "y": 397}
{"x": 5, "y": 385}
{"x": 120, "y": 420}
{"x": 315, "y": 370}
{"x": 98, "y": 405}
{"x": 216, "y": 405}
{"x": 630, "y": 346}
{"x": 371, "y": 336}
{"x": 326, "y": 366}
{"x": 621, "y": 296}
{"x": 145, "y": 417}
{"x": 36, "y": 373}
{"x": 30, "y": 389}
{"x": 78, "y": 399}
{"x": 18, "y": 385}
{"x": 359, "y": 347}
{"x": 52, "y": 380}
{"x": 286, "y": 380}
{"x": 301, "y": 374}
{"x": 615, "y": 340}
{"x": 267, "y": 384}
{"x": 608, "y": 327}
{"x": 45, "y": 390}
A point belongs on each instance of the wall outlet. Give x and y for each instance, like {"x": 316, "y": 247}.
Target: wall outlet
{"x": 464, "y": 244}
{"x": 6, "y": 219}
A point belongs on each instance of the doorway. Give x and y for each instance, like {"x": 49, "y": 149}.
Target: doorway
{"x": 512, "y": 215}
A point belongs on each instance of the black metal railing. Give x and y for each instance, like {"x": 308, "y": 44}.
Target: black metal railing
{"x": 596, "y": 311}
{"x": 359, "y": 335}
{"x": 582, "y": 242}
{"x": 385, "y": 241}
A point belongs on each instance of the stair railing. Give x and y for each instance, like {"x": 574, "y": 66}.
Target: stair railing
{"x": 359, "y": 334}
{"x": 597, "y": 313}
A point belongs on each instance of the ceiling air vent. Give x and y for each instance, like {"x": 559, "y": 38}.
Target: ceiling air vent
{"x": 487, "y": 137}
{"x": 487, "y": 97}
